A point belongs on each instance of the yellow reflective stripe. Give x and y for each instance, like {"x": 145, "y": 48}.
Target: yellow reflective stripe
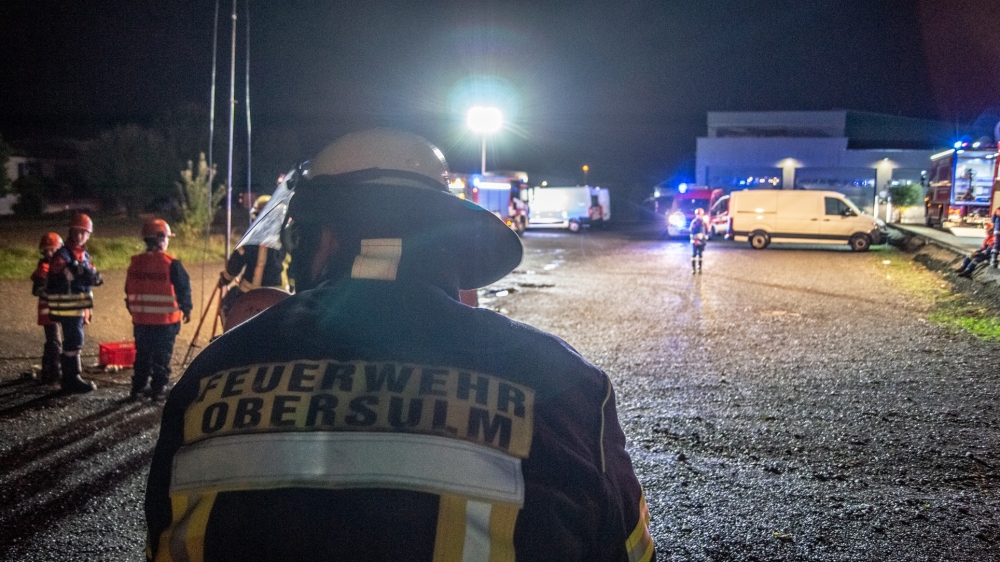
{"x": 179, "y": 507}
{"x": 639, "y": 544}
{"x": 74, "y": 301}
{"x": 450, "y": 529}
{"x": 184, "y": 540}
{"x": 68, "y": 313}
{"x": 502, "y": 521}
{"x": 474, "y": 531}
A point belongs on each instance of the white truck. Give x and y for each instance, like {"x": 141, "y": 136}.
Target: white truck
{"x": 762, "y": 216}
{"x": 571, "y": 208}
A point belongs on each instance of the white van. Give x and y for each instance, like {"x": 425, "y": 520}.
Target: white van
{"x": 568, "y": 207}
{"x": 762, "y": 216}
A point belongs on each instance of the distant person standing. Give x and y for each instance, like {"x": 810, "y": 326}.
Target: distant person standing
{"x": 51, "y": 370}
{"x": 699, "y": 239}
{"x": 72, "y": 276}
{"x": 158, "y": 293}
{"x": 995, "y": 219}
{"x": 253, "y": 266}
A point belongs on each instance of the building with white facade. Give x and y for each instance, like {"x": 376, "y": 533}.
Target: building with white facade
{"x": 855, "y": 153}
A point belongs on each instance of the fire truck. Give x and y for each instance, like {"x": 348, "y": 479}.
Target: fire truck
{"x": 502, "y": 193}
{"x": 961, "y": 185}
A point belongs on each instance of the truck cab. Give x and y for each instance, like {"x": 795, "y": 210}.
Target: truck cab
{"x": 687, "y": 200}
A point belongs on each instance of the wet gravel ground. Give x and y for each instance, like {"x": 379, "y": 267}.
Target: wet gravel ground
{"x": 787, "y": 404}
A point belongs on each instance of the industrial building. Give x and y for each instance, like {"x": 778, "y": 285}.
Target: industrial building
{"x": 851, "y": 152}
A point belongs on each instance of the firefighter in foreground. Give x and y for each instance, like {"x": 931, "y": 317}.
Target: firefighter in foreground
{"x": 255, "y": 266}
{"x": 372, "y": 416}
{"x": 51, "y": 370}
{"x": 69, "y": 289}
{"x": 158, "y": 296}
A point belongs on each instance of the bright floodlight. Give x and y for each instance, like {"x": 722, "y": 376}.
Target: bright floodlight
{"x": 485, "y": 120}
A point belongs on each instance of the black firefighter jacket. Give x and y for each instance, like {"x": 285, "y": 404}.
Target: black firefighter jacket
{"x": 375, "y": 420}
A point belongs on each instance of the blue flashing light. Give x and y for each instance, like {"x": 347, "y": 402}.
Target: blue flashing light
{"x": 682, "y": 188}
{"x": 475, "y": 180}
{"x": 958, "y": 144}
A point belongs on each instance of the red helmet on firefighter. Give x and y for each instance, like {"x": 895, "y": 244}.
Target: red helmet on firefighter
{"x": 384, "y": 184}
{"x": 155, "y": 228}
{"x": 82, "y": 222}
{"x": 50, "y": 241}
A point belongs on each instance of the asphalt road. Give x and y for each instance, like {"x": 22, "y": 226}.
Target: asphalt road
{"x": 787, "y": 404}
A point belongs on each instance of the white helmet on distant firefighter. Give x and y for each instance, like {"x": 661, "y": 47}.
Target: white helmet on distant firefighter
{"x": 383, "y": 186}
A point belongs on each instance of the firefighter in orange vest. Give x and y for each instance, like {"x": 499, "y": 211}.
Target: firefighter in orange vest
{"x": 51, "y": 371}
{"x": 69, "y": 289}
{"x": 158, "y": 297}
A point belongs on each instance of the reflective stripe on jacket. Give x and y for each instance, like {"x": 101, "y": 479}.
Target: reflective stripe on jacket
{"x": 69, "y": 293}
{"x": 151, "y": 296}
{"x": 260, "y": 266}
{"x": 73, "y": 304}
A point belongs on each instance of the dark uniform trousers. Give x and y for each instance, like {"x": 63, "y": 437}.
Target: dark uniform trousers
{"x": 375, "y": 420}
{"x": 154, "y": 347}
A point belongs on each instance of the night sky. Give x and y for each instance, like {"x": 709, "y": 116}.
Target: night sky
{"x": 621, "y": 86}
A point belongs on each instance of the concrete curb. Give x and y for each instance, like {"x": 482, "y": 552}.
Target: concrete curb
{"x": 939, "y": 254}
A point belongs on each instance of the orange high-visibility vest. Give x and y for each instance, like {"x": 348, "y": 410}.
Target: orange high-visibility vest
{"x": 151, "y": 296}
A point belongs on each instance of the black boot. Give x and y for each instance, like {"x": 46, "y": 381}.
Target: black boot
{"x": 71, "y": 380}
{"x": 51, "y": 367}
{"x": 699, "y": 265}
{"x": 694, "y": 266}
{"x": 139, "y": 388}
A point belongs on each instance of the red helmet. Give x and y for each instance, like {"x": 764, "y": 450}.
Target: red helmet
{"x": 156, "y": 227}
{"x": 50, "y": 241}
{"x": 82, "y": 222}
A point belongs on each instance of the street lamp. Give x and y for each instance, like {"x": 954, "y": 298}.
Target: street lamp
{"x": 484, "y": 120}
{"x": 586, "y": 169}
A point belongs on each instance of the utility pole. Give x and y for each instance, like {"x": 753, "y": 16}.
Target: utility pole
{"x": 232, "y": 118}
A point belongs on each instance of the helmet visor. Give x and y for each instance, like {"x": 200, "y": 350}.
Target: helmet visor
{"x": 265, "y": 230}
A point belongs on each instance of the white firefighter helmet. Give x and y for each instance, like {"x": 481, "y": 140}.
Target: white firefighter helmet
{"x": 385, "y": 184}
{"x": 382, "y": 149}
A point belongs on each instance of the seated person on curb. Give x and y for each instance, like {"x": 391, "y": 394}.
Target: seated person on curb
{"x": 970, "y": 263}
{"x": 372, "y": 416}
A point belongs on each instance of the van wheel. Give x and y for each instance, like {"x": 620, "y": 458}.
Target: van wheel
{"x": 860, "y": 243}
{"x": 574, "y": 226}
{"x": 759, "y": 240}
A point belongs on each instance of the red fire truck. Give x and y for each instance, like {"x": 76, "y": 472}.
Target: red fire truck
{"x": 961, "y": 185}
{"x": 502, "y": 193}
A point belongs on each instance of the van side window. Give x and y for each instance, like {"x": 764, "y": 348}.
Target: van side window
{"x": 835, "y": 206}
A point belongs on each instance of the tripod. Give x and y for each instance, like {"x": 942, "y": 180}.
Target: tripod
{"x": 216, "y": 322}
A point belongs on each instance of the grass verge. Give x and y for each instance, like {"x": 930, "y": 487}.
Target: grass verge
{"x": 18, "y": 259}
{"x": 948, "y": 307}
